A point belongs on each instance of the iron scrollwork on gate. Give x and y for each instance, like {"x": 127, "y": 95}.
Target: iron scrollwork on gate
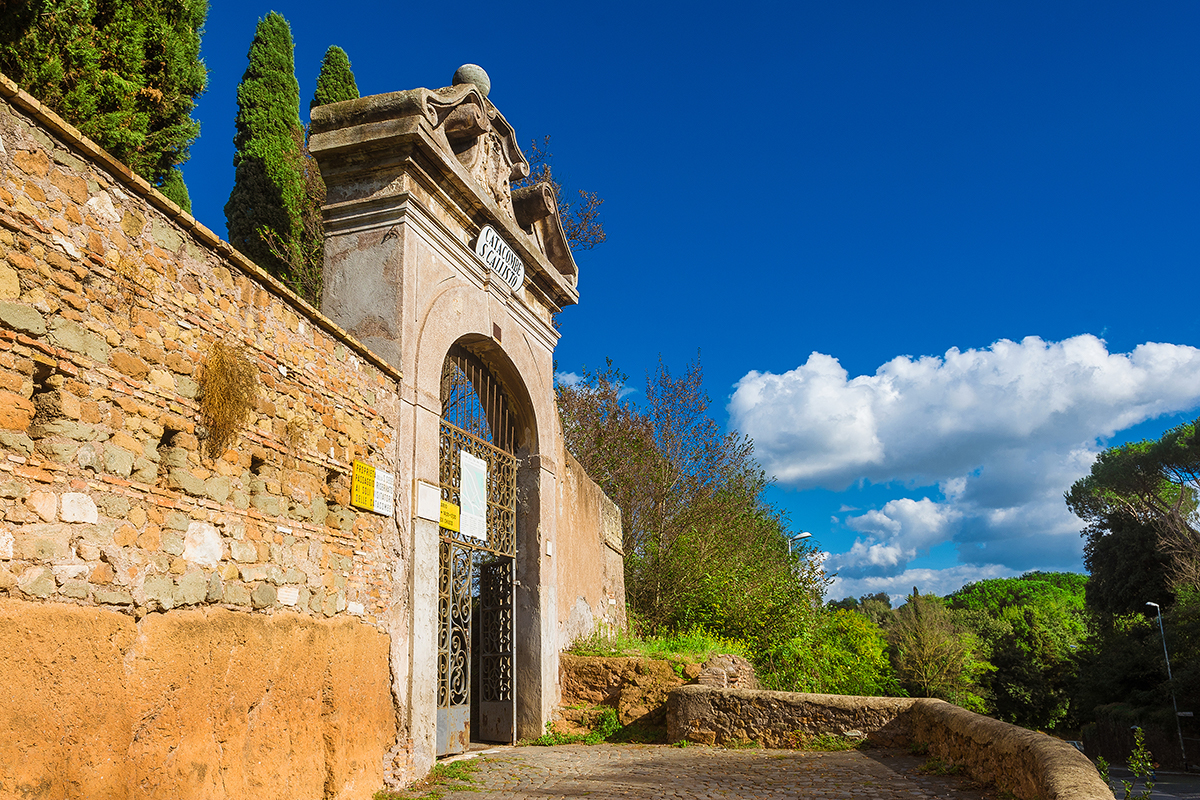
{"x": 476, "y": 572}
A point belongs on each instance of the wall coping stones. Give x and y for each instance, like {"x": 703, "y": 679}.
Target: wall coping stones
{"x": 201, "y": 233}
{"x": 1027, "y": 763}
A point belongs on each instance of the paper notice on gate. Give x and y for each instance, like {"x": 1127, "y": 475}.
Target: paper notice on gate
{"x": 473, "y": 495}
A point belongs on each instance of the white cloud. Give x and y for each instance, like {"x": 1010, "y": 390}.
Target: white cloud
{"x": 1002, "y": 432}
{"x": 927, "y": 581}
{"x": 562, "y": 378}
{"x": 895, "y": 535}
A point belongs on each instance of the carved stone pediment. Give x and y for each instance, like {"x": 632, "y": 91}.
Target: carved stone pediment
{"x": 468, "y": 129}
{"x": 536, "y": 210}
{"x": 482, "y": 140}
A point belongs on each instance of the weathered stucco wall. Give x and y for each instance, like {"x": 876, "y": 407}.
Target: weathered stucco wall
{"x": 1028, "y": 764}
{"x": 203, "y": 703}
{"x": 590, "y": 562}
{"x": 110, "y": 298}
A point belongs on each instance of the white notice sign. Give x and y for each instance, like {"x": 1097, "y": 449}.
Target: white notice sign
{"x": 473, "y": 495}
{"x": 499, "y": 257}
{"x": 385, "y": 492}
{"x": 429, "y": 501}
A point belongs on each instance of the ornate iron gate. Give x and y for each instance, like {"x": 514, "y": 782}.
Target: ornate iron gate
{"x": 476, "y": 575}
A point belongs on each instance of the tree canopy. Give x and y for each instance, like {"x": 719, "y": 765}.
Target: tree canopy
{"x": 702, "y": 548}
{"x": 1152, "y": 482}
{"x": 127, "y": 75}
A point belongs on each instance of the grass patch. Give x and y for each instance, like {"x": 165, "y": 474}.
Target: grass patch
{"x": 743, "y": 744}
{"x": 935, "y": 766}
{"x": 918, "y": 749}
{"x": 429, "y": 787}
{"x": 603, "y": 726}
{"x": 832, "y": 743}
{"x": 695, "y": 646}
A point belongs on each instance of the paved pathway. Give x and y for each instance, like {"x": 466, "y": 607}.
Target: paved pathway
{"x": 675, "y": 773}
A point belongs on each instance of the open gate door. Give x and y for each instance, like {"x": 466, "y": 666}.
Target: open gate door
{"x": 477, "y": 558}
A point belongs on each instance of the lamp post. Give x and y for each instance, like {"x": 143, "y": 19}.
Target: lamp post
{"x": 1170, "y": 680}
{"x": 797, "y": 538}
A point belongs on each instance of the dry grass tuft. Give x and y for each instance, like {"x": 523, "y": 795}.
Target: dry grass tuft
{"x": 295, "y": 435}
{"x": 230, "y": 388}
{"x": 133, "y": 281}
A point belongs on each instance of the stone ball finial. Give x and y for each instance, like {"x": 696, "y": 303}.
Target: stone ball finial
{"x": 473, "y": 73}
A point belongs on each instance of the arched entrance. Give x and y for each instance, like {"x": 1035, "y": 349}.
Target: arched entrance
{"x": 477, "y": 552}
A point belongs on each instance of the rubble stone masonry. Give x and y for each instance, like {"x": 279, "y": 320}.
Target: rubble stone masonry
{"x": 110, "y": 298}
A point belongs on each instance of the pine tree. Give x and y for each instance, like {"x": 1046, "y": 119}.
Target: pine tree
{"x": 126, "y": 74}
{"x": 266, "y": 205}
{"x": 336, "y": 81}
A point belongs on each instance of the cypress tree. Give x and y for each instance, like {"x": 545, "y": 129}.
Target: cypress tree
{"x": 126, "y": 74}
{"x": 305, "y": 254}
{"x": 265, "y": 208}
{"x": 335, "y": 83}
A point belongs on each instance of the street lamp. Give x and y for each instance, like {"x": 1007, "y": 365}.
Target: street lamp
{"x": 798, "y": 537}
{"x": 1170, "y": 680}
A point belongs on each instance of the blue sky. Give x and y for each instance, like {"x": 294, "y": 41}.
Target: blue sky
{"x": 844, "y": 207}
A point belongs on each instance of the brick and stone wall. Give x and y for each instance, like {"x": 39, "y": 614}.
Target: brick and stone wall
{"x": 1028, "y": 764}
{"x": 111, "y": 512}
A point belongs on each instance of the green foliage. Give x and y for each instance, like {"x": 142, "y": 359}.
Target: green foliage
{"x": 1156, "y": 483}
{"x": 1028, "y": 628}
{"x": 841, "y": 652}
{"x": 1142, "y": 545}
{"x": 829, "y": 742}
{"x": 176, "y": 190}
{"x": 693, "y": 646}
{"x": 335, "y": 82}
{"x": 127, "y": 75}
{"x": 1127, "y": 569}
{"x": 703, "y": 550}
{"x": 604, "y": 727}
{"x": 268, "y": 192}
{"x": 936, "y": 766}
{"x": 454, "y": 772}
{"x": 934, "y": 657}
{"x": 1141, "y": 766}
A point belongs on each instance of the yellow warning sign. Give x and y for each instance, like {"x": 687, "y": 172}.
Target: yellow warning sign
{"x": 449, "y": 519}
{"x": 362, "y": 486}
{"x": 372, "y": 489}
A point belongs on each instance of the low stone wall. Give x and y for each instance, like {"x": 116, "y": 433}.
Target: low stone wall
{"x": 706, "y": 715}
{"x": 205, "y": 703}
{"x": 1028, "y": 764}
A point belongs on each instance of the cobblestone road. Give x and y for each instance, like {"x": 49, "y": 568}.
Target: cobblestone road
{"x": 659, "y": 771}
